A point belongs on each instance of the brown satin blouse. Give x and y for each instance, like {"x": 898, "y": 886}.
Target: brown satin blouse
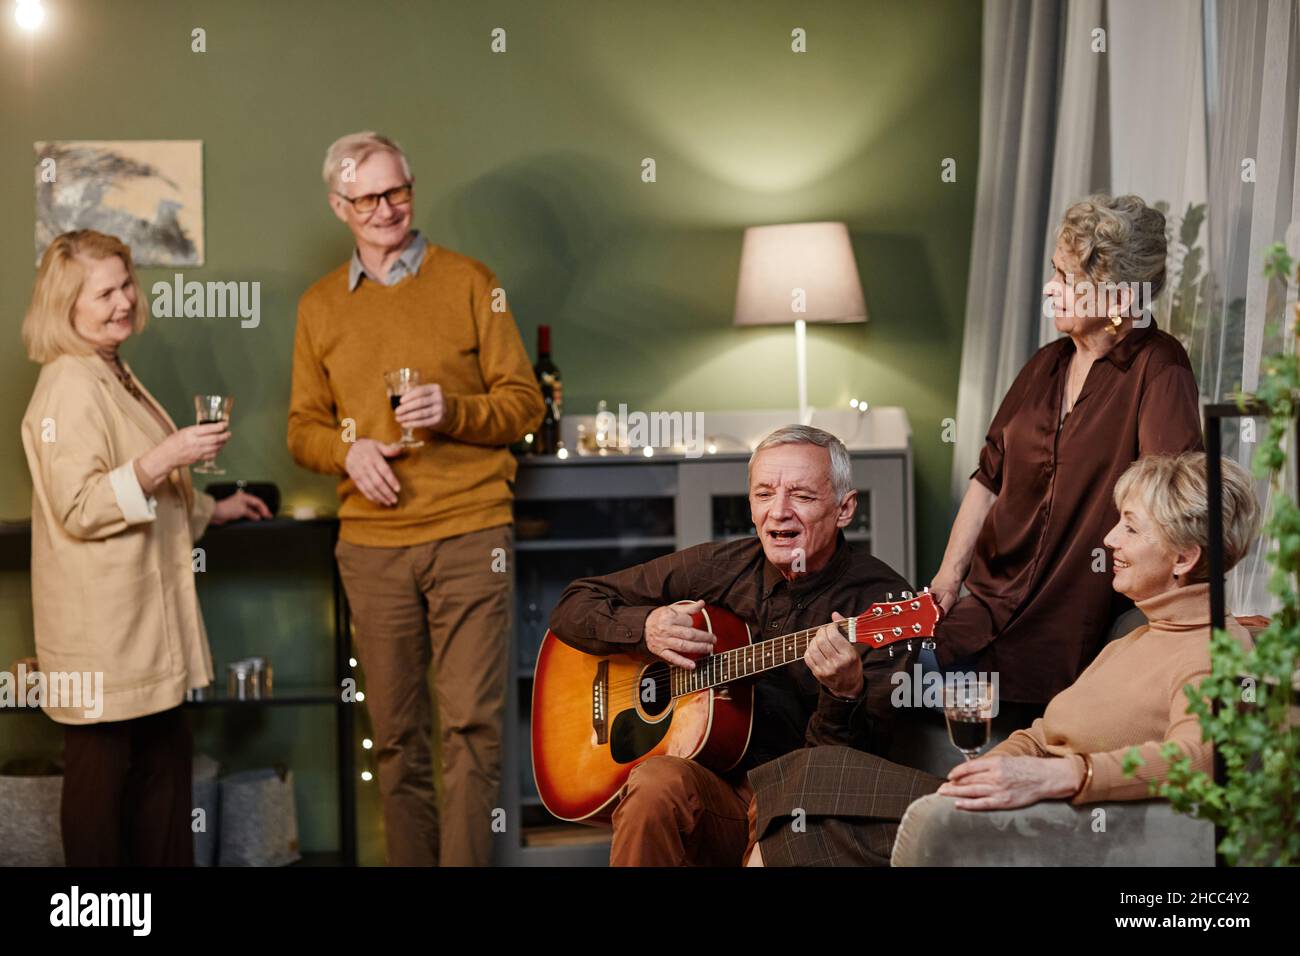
{"x": 1040, "y": 574}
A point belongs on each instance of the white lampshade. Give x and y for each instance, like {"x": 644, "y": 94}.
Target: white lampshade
{"x": 816, "y": 257}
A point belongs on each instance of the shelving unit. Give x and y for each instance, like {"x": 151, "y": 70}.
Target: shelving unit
{"x": 249, "y": 546}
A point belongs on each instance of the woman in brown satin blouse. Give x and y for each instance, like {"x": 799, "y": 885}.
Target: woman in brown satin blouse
{"x": 1027, "y": 541}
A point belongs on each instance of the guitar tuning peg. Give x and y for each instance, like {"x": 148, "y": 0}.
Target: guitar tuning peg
{"x": 928, "y": 645}
{"x": 891, "y": 650}
{"x": 926, "y": 589}
{"x": 907, "y": 595}
{"x": 909, "y": 647}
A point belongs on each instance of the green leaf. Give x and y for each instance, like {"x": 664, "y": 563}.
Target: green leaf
{"x": 1258, "y": 801}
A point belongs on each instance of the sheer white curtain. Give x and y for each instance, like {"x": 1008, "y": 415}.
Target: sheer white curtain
{"x": 1194, "y": 105}
{"x": 1252, "y": 53}
{"x": 1021, "y": 68}
{"x": 1236, "y": 196}
{"x": 1081, "y": 158}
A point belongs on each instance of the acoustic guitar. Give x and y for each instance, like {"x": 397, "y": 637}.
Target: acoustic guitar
{"x": 595, "y": 718}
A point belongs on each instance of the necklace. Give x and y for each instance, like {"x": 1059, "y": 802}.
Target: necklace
{"x": 128, "y": 382}
{"x": 124, "y": 377}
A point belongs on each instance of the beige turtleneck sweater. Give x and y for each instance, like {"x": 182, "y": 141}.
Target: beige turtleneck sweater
{"x": 1132, "y": 696}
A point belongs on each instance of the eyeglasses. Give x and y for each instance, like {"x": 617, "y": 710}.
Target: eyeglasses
{"x": 397, "y": 196}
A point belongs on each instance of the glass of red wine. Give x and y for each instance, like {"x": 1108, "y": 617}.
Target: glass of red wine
{"x": 400, "y": 381}
{"x": 210, "y": 409}
{"x": 968, "y": 708}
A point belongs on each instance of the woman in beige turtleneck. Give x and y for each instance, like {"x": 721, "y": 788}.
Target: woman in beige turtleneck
{"x": 1130, "y": 696}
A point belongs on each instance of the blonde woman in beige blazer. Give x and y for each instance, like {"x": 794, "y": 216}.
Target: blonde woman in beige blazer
{"x": 114, "y": 521}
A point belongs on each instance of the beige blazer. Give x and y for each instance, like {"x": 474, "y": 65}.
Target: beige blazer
{"x": 112, "y": 570}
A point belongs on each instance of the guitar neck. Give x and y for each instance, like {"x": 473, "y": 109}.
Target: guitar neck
{"x": 717, "y": 669}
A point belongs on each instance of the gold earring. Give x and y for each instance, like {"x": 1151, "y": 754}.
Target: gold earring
{"x": 1113, "y": 327}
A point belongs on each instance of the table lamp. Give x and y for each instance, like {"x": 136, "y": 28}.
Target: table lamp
{"x": 798, "y": 272}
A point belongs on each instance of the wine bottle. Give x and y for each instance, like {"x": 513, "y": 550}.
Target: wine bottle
{"x": 546, "y": 440}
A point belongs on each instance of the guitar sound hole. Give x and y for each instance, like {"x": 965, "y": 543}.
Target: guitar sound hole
{"x": 654, "y": 692}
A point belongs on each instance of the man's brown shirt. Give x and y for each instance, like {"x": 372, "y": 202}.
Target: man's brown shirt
{"x": 606, "y": 615}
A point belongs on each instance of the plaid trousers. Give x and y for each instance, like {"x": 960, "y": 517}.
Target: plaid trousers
{"x": 831, "y": 806}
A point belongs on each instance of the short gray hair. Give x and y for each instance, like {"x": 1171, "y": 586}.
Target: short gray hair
{"x": 358, "y": 147}
{"x": 1173, "y": 489}
{"x": 1117, "y": 239}
{"x": 841, "y": 466}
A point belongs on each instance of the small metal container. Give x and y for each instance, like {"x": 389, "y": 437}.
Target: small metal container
{"x": 261, "y": 676}
{"x": 239, "y": 679}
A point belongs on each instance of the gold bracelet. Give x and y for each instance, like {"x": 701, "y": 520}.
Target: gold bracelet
{"x": 1087, "y": 777}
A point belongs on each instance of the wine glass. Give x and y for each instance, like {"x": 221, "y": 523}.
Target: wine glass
{"x": 210, "y": 409}
{"x": 399, "y": 382}
{"x": 968, "y": 708}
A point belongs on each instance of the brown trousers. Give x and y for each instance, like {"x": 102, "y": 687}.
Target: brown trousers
{"x": 445, "y": 603}
{"x": 127, "y": 792}
{"x": 674, "y": 812}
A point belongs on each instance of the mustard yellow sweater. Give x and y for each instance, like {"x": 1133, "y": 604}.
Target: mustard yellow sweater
{"x": 440, "y": 321}
{"x": 1132, "y": 696}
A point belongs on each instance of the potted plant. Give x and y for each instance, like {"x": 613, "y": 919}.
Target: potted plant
{"x": 1247, "y": 707}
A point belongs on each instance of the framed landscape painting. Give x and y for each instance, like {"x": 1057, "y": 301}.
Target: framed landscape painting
{"x": 148, "y": 193}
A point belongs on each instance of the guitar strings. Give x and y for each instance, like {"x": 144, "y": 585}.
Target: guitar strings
{"x": 635, "y": 683}
{"x": 625, "y": 694}
{"x": 796, "y": 636}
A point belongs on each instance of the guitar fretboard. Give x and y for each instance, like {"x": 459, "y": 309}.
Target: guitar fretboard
{"x": 727, "y": 666}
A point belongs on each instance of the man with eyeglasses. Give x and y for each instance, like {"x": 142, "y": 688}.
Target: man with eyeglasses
{"x": 425, "y": 533}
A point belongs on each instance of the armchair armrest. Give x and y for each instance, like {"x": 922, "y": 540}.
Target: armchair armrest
{"x": 933, "y": 832}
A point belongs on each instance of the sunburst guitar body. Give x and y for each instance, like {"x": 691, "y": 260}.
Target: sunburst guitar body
{"x": 595, "y": 718}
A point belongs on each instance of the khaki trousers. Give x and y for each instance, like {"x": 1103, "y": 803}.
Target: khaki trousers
{"x": 445, "y": 603}
{"x": 674, "y": 812}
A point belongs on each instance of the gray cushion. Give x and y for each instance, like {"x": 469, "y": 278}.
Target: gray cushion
{"x": 1053, "y": 833}
{"x": 30, "y": 832}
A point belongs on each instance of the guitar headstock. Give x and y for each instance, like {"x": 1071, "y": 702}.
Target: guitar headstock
{"x": 912, "y": 616}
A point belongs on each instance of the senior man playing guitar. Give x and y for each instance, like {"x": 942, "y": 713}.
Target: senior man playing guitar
{"x": 798, "y": 572}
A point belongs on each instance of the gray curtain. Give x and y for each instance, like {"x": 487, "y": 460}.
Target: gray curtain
{"x": 1081, "y": 155}
{"x": 1020, "y": 81}
{"x": 1184, "y": 92}
{"x": 1253, "y": 63}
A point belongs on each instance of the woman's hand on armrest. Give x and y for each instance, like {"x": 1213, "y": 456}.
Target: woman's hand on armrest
{"x": 995, "y": 782}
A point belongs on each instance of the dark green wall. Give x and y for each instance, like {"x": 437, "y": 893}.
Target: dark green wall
{"x": 530, "y": 161}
